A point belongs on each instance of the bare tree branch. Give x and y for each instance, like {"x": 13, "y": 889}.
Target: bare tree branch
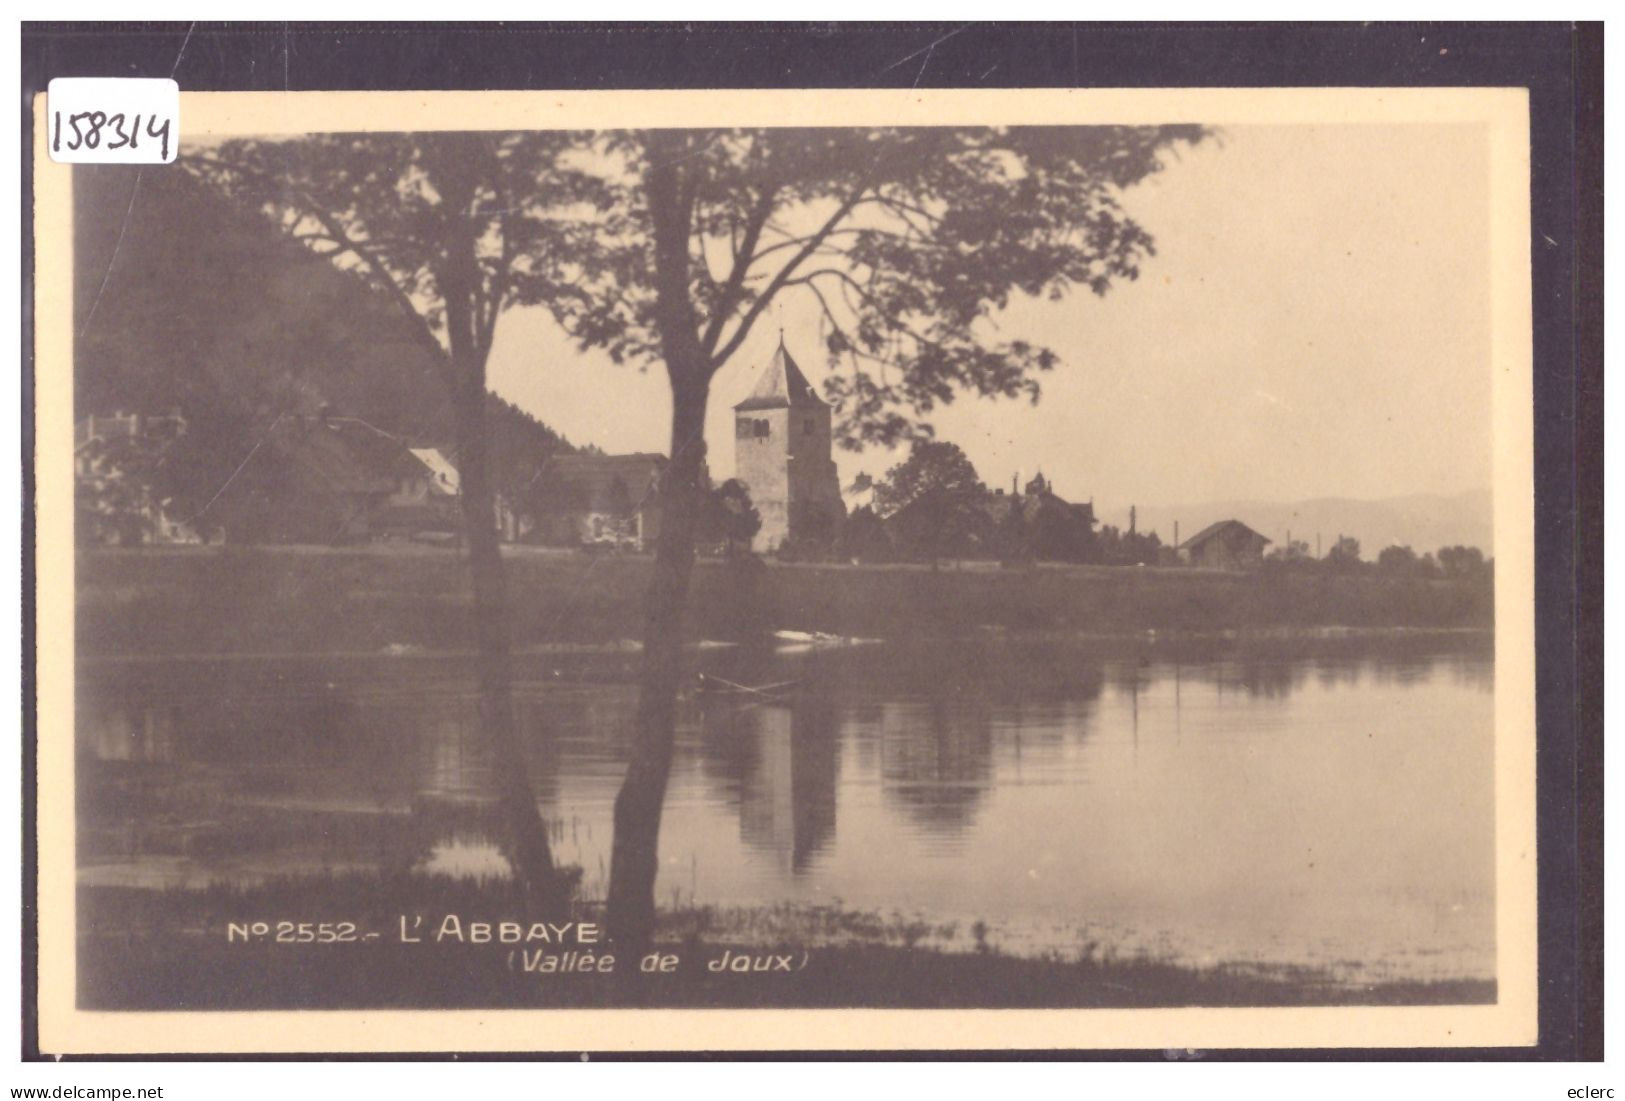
{"x": 742, "y": 330}
{"x": 742, "y": 261}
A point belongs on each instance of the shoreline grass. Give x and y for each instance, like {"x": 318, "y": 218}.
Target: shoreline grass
{"x": 223, "y": 600}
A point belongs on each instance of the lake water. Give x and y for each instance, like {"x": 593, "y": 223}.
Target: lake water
{"x": 1321, "y": 805}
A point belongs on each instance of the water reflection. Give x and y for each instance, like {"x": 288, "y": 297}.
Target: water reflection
{"x": 777, "y": 764}
{"x": 937, "y": 761}
{"x": 1285, "y": 805}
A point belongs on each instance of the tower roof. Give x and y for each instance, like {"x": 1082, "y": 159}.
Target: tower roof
{"x": 782, "y": 385}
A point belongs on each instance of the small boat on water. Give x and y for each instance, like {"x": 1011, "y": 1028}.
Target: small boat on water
{"x": 808, "y": 637}
{"x": 791, "y": 641}
{"x": 720, "y": 686}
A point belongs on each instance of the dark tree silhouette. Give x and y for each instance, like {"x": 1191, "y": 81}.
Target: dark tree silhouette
{"x": 1057, "y": 532}
{"x": 931, "y": 466}
{"x": 1398, "y": 560}
{"x": 1013, "y": 539}
{"x": 1297, "y": 550}
{"x": 907, "y": 241}
{"x": 1463, "y": 562}
{"x": 454, "y": 229}
{"x": 730, "y": 520}
{"x": 1344, "y": 555}
{"x": 864, "y": 538}
{"x": 949, "y": 524}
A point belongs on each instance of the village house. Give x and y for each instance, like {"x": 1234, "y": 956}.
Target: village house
{"x": 332, "y": 480}
{"x": 1226, "y": 545}
{"x": 516, "y": 521}
{"x": 598, "y": 501}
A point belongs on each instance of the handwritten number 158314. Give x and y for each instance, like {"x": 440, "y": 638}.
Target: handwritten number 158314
{"x": 89, "y": 129}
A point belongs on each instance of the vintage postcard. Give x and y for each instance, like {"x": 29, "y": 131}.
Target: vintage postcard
{"x": 788, "y": 570}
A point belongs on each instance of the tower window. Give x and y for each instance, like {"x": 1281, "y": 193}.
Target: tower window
{"x": 761, "y": 429}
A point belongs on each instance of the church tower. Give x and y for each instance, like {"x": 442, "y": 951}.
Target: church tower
{"x": 782, "y": 442}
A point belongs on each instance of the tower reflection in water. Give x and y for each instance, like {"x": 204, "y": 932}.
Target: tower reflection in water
{"x": 780, "y": 762}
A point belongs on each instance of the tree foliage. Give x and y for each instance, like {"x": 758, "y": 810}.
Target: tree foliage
{"x": 908, "y": 243}
{"x": 1128, "y": 548}
{"x": 731, "y": 520}
{"x": 931, "y": 466}
{"x": 1345, "y": 554}
{"x": 114, "y": 500}
{"x": 1397, "y": 559}
{"x": 453, "y": 228}
{"x": 1463, "y": 562}
{"x": 864, "y": 538}
{"x": 1296, "y": 550}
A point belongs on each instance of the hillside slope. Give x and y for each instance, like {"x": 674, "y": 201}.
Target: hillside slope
{"x": 185, "y": 301}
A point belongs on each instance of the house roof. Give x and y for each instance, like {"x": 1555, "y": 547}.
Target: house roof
{"x": 599, "y": 483}
{"x": 1215, "y": 529}
{"x": 347, "y": 454}
{"x": 446, "y": 478}
{"x": 781, "y": 386}
{"x": 383, "y": 455}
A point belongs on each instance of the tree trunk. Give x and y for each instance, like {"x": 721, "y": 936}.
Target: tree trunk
{"x": 529, "y": 851}
{"x": 455, "y": 163}
{"x": 635, "y": 861}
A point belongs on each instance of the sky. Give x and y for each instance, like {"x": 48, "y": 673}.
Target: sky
{"x": 1315, "y": 324}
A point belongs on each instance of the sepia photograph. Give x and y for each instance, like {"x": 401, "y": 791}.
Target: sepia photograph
{"x": 776, "y": 552}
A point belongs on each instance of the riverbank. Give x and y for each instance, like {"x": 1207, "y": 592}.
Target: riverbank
{"x": 224, "y": 600}
{"x": 201, "y": 949}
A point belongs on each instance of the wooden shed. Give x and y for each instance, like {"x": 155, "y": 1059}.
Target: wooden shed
{"x": 1226, "y": 545}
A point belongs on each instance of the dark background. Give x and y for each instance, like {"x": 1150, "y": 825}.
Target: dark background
{"x": 1561, "y": 65}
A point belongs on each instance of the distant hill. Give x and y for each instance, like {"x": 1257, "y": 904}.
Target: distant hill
{"x": 186, "y": 301}
{"x": 1424, "y": 522}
